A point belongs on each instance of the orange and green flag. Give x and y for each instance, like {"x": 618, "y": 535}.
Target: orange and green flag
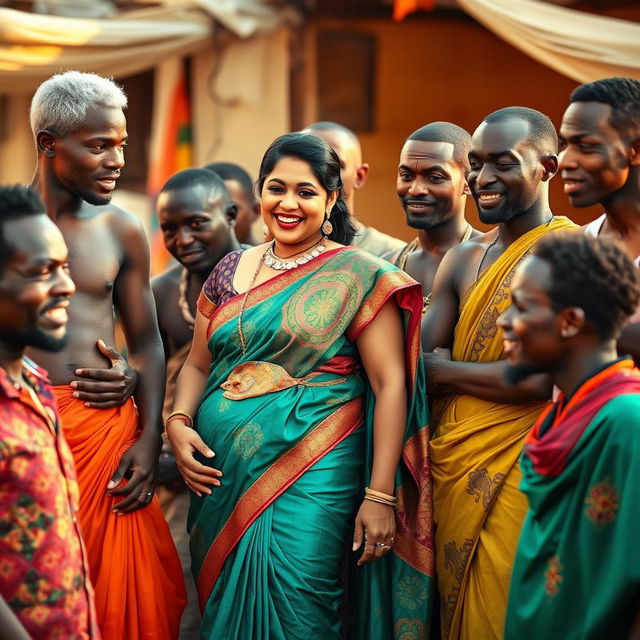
{"x": 173, "y": 152}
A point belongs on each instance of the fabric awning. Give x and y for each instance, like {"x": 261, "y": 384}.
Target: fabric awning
{"x": 33, "y": 46}
{"x": 580, "y": 45}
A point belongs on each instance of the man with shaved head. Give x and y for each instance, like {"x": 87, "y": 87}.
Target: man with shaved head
{"x": 354, "y": 174}
{"x": 196, "y": 216}
{"x": 240, "y": 188}
{"x": 433, "y": 191}
{"x": 478, "y": 422}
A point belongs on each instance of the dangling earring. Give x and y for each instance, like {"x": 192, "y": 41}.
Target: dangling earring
{"x": 327, "y": 227}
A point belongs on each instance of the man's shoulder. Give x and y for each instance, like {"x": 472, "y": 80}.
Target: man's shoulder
{"x": 376, "y": 242}
{"x": 473, "y": 244}
{"x": 122, "y": 220}
{"x": 621, "y": 417}
{"x": 626, "y": 404}
{"x": 166, "y": 282}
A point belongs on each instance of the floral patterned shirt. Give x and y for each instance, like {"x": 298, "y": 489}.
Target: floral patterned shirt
{"x": 43, "y": 567}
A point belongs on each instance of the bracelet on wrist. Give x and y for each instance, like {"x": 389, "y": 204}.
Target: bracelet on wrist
{"x": 393, "y": 505}
{"x": 380, "y": 497}
{"x": 178, "y": 415}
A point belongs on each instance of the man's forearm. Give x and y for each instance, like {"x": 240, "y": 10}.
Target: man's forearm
{"x": 485, "y": 380}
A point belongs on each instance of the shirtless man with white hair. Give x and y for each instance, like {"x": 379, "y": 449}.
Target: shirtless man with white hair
{"x": 80, "y": 133}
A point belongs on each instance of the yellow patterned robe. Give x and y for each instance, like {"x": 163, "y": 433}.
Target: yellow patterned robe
{"x": 474, "y": 455}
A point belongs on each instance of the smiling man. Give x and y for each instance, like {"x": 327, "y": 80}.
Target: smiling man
{"x": 45, "y": 590}
{"x": 577, "y": 567}
{"x": 433, "y": 191}
{"x": 478, "y": 421}
{"x": 80, "y": 133}
{"x": 196, "y": 216}
{"x": 600, "y": 164}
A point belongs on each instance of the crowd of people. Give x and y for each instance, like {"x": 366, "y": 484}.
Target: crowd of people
{"x": 361, "y": 437}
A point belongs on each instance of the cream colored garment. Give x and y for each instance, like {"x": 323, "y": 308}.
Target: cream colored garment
{"x": 33, "y": 47}
{"x": 580, "y": 45}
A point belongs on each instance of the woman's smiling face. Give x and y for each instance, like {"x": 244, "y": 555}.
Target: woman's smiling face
{"x": 294, "y": 203}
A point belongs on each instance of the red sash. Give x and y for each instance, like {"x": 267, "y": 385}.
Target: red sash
{"x": 549, "y": 452}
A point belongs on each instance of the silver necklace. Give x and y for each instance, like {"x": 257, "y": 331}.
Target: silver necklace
{"x": 282, "y": 264}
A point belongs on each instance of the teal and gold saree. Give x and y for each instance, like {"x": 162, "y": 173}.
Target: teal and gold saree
{"x": 291, "y": 423}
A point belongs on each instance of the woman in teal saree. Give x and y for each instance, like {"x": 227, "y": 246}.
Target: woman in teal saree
{"x": 308, "y": 384}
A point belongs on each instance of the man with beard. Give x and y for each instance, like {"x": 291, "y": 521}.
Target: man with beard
{"x": 196, "y": 217}
{"x": 433, "y": 190}
{"x": 240, "y": 189}
{"x": 44, "y": 584}
{"x": 478, "y": 421}
{"x": 80, "y": 132}
{"x": 600, "y": 163}
{"x": 577, "y": 566}
{"x": 354, "y": 174}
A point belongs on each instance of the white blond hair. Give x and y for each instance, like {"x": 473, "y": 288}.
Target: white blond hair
{"x": 60, "y": 104}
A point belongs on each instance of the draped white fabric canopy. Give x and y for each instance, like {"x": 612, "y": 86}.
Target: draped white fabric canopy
{"x": 580, "y": 45}
{"x": 33, "y": 47}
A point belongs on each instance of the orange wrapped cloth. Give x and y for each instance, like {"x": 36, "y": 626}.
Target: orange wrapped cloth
{"x": 135, "y": 570}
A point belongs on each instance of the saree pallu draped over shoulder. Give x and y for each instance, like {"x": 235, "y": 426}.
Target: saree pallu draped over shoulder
{"x": 474, "y": 447}
{"x": 290, "y": 421}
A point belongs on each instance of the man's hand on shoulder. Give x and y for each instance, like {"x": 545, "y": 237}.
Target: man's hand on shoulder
{"x": 109, "y": 387}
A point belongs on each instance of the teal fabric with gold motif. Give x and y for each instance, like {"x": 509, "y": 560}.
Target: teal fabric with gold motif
{"x": 290, "y": 423}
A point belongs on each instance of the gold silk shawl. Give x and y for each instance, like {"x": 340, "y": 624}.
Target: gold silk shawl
{"x": 475, "y": 449}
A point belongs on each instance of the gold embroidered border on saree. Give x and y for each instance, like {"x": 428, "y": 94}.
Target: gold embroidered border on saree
{"x": 474, "y": 455}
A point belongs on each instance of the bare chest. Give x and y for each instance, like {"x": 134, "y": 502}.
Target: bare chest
{"x": 423, "y": 269}
{"x": 95, "y": 256}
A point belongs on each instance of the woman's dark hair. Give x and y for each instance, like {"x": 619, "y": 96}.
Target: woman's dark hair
{"x": 324, "y": 164}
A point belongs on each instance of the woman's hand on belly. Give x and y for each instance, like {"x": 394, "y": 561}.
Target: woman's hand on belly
{"x": 375, "y": 531}
{"x": 185, "y": 441}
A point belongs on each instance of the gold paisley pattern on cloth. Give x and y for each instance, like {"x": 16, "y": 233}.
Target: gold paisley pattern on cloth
{"x": 253, "y": 379}
{"x": 248, "y": 439}
{"x": 488, "y": 329}
{"x": 410, "y": 593}
{"x": 456, "y": 560}
{"x": 483, "y": 487}
{"x": 322, "y": 308}
{"x": 405, "y": 629}
{"x": 229, "y": 310}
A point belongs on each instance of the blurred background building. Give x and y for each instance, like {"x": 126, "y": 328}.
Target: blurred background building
{"x": 213, "y": 80}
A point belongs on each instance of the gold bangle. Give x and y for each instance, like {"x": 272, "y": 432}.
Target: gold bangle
{"x": 393, "y": 505}
{"x": 181, "y": 415}
{"x": 178, "y": 414}
{"x": 379, "y": 494}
